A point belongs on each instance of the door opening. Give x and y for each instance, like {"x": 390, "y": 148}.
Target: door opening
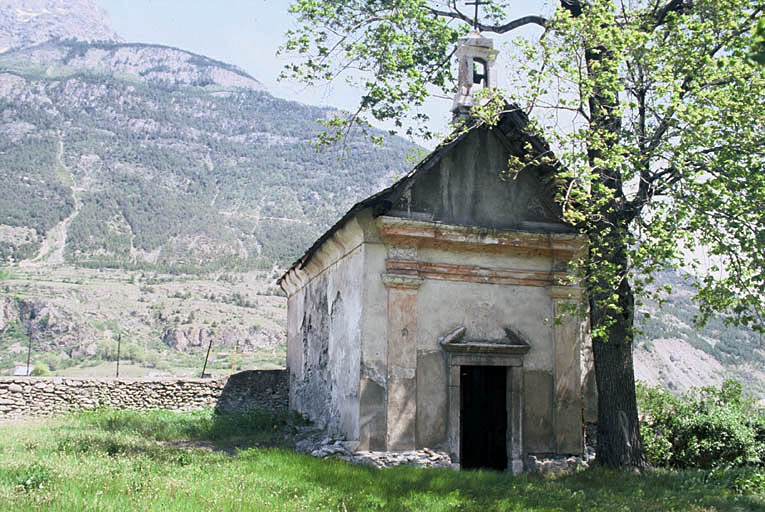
{"x": 483, "y": 417}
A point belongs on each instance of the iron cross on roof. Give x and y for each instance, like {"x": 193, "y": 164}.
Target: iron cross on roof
{"x": 477, "y": 4}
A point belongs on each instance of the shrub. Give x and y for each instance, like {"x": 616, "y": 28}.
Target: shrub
{"x": 40, "y": 369}
{"x": 705, "y": 428}
{"x": 107, "y": 350}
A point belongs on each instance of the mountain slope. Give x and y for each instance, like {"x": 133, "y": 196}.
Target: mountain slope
{"x": 152, "y": 156}
{"x": 28, "y": 22}
{"x": 674, "y": 353}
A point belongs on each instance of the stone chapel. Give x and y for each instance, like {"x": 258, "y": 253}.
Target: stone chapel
{"x": 424, "y": 316}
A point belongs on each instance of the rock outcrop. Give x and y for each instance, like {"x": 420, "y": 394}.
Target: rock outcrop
{"x": 193, "y": 336}
{"x": 29, "y": 22}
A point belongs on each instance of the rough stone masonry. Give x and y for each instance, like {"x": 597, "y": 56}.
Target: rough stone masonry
{"x": 44, "y": 396}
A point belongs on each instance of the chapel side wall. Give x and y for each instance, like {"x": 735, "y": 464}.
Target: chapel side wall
{"x": 324, "y": 335}
{"x": 374, "y": 346}
{"x": 345, "y": 292}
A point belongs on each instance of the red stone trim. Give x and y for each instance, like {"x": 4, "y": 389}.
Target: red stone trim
{"x": 433, "y": 235}
{"x": 470, "y": 273}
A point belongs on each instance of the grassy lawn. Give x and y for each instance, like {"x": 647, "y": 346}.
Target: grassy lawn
{"x": 120, "y": 460}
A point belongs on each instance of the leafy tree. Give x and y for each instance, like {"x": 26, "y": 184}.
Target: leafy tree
{"x": 664, "y": 157}
{"x": 758, "y": 46}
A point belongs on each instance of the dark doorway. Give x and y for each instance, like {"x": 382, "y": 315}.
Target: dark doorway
{"x": 483, "y": 417}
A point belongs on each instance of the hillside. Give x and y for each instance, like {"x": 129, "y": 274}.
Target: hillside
{"x": 143, "y": 156}
{"x": 141, "y": 187}
{"x": 676, "y": 354}
{"x": 73, "y": 318}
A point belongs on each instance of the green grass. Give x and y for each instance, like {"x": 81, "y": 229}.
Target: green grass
{"x": 122, "y": 460}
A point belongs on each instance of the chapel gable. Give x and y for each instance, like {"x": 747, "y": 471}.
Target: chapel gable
{"x": 469, "y": 184}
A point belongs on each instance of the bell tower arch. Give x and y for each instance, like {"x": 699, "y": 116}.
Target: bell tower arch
{"x": 476, "y": 57}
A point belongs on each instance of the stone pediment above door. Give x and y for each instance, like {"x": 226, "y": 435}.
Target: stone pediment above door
{"x": 513, "y": 344}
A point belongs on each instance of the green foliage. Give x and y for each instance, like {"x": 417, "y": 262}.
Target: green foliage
{"x": 660, "y": 109}
{"x": 396, "y": 51}
{"x": 107, "y": 350}
{"x": 15, "y": 333}
{"x": 749, "y": 483}
{"x": 31, "y": 477}
{"x": 133, "y": 352}
{"x": 706, "y": 428}
{"x": 758, "y": 44}
{"x": 40, "y": 369}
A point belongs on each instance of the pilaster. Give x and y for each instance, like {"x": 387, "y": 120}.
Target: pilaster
{"x": 567, "y": 397}
{"x": 402, "y": 359}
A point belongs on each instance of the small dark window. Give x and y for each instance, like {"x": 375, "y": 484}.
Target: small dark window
{"x": 479, "y": 71}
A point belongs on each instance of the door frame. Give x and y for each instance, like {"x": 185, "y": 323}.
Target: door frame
{"x": 477, "y": 353}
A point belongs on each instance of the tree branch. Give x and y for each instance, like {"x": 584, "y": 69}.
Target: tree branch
{"x": 660, "y": 13}
{"x": 498, "y": 29}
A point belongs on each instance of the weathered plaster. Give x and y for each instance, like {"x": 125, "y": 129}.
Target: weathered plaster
{"x": 374, "y": 350}
{"x": 402, "y": 359}
{"x": 432, "y": 235}
{"x": 484, "y": 310}
{"x": 538, "y": 411}
{"x": 470, "y": 187}
{"x": 432, "y": 402}
{"x": 484, "y": 259}
{"x": 324, "y": 333}
{"x": 567, "y": 397}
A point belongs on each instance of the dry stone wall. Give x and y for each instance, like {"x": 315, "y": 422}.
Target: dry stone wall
{"x": 43, "y": 396}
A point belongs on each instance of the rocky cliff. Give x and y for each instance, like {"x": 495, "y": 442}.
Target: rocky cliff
{"x": 29, "y": 22}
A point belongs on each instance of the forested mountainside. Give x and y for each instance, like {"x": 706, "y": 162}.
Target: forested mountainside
{"x": 138, "y": 156}
{"x": 171, "y": 176}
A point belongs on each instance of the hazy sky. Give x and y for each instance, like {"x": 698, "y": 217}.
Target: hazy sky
{"x": 246, "y": 33}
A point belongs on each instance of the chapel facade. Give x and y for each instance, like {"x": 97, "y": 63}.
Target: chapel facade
{"x": 425, "y": 317}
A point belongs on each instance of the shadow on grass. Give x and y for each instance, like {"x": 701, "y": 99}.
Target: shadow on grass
{"x": 407, "y": 488}
{"x": 224, "y": 431}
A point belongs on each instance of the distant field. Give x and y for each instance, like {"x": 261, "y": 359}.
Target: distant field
{"x": 132, "y": 370}
{"x": 121, "y": 460}
{"x": 75, "y": 316}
